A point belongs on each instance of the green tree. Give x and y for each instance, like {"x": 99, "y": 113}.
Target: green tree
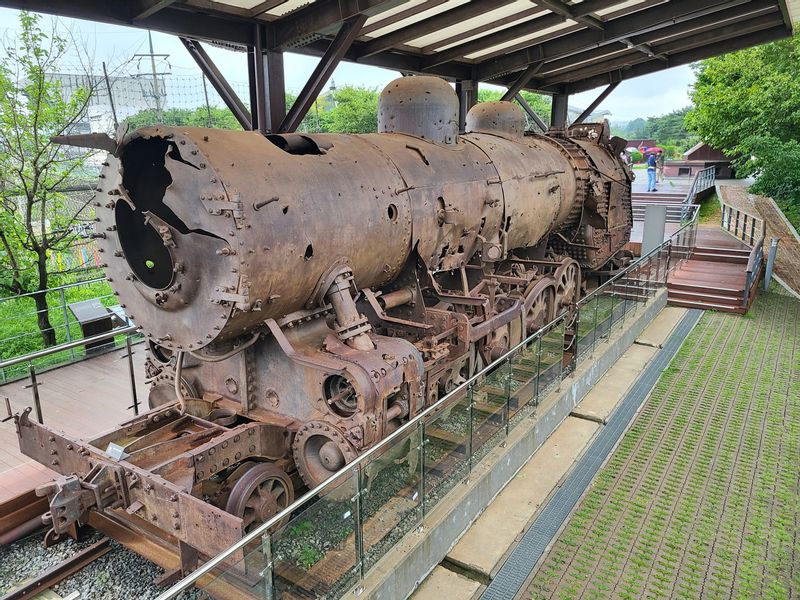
{"x": 353, "y": 110}
{"x": 36, "y": 219}
{"x": 747, "y": 104}
{"x": 201, "y": 116}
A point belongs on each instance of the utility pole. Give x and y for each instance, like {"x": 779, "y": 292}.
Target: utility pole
{"x": 154, "y": 74}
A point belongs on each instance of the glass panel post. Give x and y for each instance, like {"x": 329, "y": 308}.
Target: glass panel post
{"x": 266, "y": 574}
{"x": 538, "y": 357}
{"x": 66, "y": 322}
{"x": 470, "y": 424}
{"x": 561, "y": 354}
{"x": 507, "y": 374}
{"x": 594, "y": 329}
{"x": 358, "y": 514}
{"x": 421, "y": 485}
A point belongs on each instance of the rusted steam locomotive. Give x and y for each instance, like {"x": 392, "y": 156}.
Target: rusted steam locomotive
{"x": 305, "y": 295}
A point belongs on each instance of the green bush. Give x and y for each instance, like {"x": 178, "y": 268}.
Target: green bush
{"x": 636, "y": 156}
{"x": 777, "y": 166}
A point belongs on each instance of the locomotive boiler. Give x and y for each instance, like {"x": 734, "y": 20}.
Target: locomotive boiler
{"x": 304, "y": 295}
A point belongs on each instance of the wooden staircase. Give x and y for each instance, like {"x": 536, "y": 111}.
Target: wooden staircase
{"x": 714, "y": 277}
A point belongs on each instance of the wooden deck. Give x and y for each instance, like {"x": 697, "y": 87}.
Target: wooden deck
{"x": 81, "y": 399}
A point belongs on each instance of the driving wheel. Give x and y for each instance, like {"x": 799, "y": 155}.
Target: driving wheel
{"x": 259, "y": 494}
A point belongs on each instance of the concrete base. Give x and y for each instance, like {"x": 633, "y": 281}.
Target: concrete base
{"x": 401, "y": 571}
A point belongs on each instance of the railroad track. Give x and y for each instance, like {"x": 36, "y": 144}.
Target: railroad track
{"x": 59, "y": 572}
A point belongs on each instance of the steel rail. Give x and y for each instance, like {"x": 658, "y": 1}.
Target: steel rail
{"x": 59, "y": 572}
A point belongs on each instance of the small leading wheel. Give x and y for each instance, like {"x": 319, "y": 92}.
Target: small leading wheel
{"x": 568, "y": 281}
{"x": 259, "y": 494}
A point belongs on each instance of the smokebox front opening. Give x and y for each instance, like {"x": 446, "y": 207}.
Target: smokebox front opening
{"x": 146, "y": 178}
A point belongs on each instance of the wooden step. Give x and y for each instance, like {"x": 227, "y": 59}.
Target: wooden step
{"x": 694, "y": 285}
{"x": 705, "y": 306}
{"x": 711, "y": 296}
{"x": 719, "y": 258}
{"x": 723, "y": 250}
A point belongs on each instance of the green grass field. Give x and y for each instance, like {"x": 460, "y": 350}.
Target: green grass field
{"x": 701, "y": 498}
{"x": 19, "y": 332}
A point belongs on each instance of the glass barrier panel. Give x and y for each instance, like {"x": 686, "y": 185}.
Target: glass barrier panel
{"x": 249, "y": 573}
{"x": 489, "y": 400}
{"x": 605, "y": 313}
{"x": 550, "y": 358}
{"x": 315, "y": 553}
{"x": 587, "y": 327}
{"x": 446, "y": 437}
{"x": 522, "y": 385}
{"x": 391, "y": 501}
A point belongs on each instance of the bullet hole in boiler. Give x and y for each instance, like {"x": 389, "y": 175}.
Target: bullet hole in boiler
{"x": 309, "y": 252}
{"x": 392, "y": 212}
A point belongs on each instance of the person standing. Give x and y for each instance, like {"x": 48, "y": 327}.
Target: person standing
{"x": 660, "y": 158}
{"x": 651, "y": 173}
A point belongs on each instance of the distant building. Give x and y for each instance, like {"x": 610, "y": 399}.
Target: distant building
{"x": 697, "y": 158}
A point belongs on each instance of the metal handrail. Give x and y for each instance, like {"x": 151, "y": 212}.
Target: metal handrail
{"x": 359, "y": 461}
{"x": 54, "y": 289}
{"x": 754, "y": 263}
{"x": 100, "y": 337}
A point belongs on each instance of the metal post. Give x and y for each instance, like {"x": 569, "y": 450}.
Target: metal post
{"x": 66, "y": 322}
{"x": 752, "y": 230}
{"x": 35, "y": 389}
{"x": 773, "y": 252}
{"x": 538, "y": 369}
{"x": 132, "y": 374}
{"x": 507, "y": 391}
{"x": 470, "y": 415}
{"x": 422, "y": 445}
{"x": 467, "y": 92}
{"x": 594, "y": 331}
{"x": 736, "y": 228}
{"x": 359, "y": 522}
{"x": 267, "y": 574}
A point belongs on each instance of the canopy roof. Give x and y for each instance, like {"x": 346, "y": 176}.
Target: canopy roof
{"x": 552, "y": 45}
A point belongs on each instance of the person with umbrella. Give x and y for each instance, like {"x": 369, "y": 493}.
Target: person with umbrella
{"x": 651, "y": 172}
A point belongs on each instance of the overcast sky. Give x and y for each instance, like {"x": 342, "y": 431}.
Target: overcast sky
{"x": 650, "y": 95}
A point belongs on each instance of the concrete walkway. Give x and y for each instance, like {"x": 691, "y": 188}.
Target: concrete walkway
{"x": 480, "y": 552}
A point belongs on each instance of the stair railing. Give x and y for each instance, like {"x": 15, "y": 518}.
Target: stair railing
{"x": 755, "y": 265}
{"x": 742, "y": 225}
{"x": 703, "y": 180}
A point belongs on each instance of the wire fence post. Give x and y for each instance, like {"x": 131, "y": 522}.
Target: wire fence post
{"x": 35, "y": 390}
{"x": 132, "y": 374}
{"x": 66, "y": 321}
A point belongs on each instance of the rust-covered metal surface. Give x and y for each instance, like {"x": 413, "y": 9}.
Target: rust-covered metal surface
{"x": 305, "y": 295}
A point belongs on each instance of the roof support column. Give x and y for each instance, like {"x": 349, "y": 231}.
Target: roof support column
{"x": 267, "y": 88}
{"x": 213, "y": 74}
{"x": 322, "y": 73}
{"x": 467, "y": 92}
{"x": 558, "y": 111}
{"x": 590, "y": 109}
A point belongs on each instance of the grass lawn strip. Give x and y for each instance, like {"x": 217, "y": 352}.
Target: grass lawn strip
{"x": 701, "y": 498}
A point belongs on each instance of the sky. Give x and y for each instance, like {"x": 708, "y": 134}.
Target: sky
{"x": 650, "y": 95}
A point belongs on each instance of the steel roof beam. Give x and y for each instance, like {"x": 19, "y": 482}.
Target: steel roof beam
{"x": 454, "y": 39}
{"x": 590, "y": 109}
{"x": 521, "y": 81}
{"x": 667, "y": 48}
{"x": 170, "y": 19}
{"x": 531, "y": 113}
{"x": 699, "y": 25}
{"x": 217, "y": 79}
{"x": 323, "y": 17}
{"x": 644, "y": 21}
{"x": 322, "y": 73}
{"x": 444, "y": 19}
{"x": 679, "y": 58}
{"x": 566, "y": 11}
{"x": 146, "y": 8}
